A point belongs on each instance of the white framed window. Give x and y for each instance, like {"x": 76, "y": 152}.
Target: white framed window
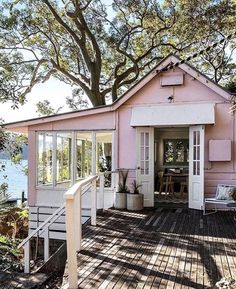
{"x": 64, "y": 157}
{"x": 44, "y": 159}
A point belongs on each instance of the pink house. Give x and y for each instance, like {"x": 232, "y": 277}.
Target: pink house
{"x": 177, "y": 121}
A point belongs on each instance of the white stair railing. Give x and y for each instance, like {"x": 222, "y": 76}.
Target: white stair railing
{"x": 74, "y": 225}
{"x": 41, "y": 230}
{"x": 73, "y": 215}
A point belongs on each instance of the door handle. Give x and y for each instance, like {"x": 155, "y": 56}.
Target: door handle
{"x": 138, "y": 168}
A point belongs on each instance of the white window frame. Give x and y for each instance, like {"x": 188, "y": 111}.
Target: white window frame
{"x": 73, "y": 156}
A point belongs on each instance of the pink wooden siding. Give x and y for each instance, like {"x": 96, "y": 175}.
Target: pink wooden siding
{"x": 192, "y": 91}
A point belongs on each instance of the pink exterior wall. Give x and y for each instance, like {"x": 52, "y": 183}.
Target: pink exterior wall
{"x": 90, "y": 122}
{"x": 192, "y": 91}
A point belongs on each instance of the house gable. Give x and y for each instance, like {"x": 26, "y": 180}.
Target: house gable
{"x": 203, "y": 89}
{"x": 191, "y": 91}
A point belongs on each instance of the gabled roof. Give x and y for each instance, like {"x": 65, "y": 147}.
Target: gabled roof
{"x": 23, "y": 125}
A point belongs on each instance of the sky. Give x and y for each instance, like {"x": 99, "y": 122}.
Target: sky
{"x": 53, "y": 90}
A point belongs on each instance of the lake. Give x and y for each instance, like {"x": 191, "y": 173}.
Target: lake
{"x": 16, "y": 179}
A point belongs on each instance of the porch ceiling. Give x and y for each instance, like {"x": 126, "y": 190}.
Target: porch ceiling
{"x": 173, "y": 114}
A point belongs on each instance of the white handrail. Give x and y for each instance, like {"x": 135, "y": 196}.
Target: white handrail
{"x": 44, "y": 225}
{"x": 74, "y": 225}
{"x": 70, "y": 194}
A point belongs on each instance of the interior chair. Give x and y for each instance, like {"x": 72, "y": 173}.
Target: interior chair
{"x": 183, "y": 187}
{"x": 165, "y": 183}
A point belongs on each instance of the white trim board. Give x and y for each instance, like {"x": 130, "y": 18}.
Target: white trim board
{"x": 171, "y": 114}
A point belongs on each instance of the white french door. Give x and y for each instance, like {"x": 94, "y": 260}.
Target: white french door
{"x": 196, "y": 167}
{"x": 145, "y": 163}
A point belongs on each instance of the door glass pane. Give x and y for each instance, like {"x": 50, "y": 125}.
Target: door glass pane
{"x": 84, "y": 154}
{"x": 194, "y": 152}
{"x": 144, "y": 153}
{"x": 147, "y": 139}
{"x": 194, "y": 168}
{"x": 63, "y": 159}
{"x": 195, "y": 138}
{"x": 198, "y": 153}
{"x": 142, "y": 167}
{"x": 147, "y": 168}
{"x": 142, "y": 138}
{"x": 147, "y": 153}
{"x": 198, "y": 168}
{"x": 198, "y": 137}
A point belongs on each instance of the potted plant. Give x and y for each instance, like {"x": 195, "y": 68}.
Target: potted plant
{"x": 135, "y": 199}
{"x": 121, "y": 198}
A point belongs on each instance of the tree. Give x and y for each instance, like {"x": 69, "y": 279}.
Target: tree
{"x": 99, "y": 54}
{"x": 45, "y": 108}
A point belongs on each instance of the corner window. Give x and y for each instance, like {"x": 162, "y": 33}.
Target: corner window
{"x": 176, "y": 151}
{"x": 66, "y": 157}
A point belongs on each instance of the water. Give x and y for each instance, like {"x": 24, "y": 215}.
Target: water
{"x": 16, "y": 179}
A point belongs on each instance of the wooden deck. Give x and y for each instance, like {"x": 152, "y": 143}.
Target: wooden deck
{"x": 164, "y": 248}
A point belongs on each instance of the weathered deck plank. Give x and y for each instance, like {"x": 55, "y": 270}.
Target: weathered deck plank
{"x": 166, "y": 248}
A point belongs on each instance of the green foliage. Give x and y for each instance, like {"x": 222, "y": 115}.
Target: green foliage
{"x": 44, "y": 108}
{"x": 123, "y": 175}
{"x": 135, "y": 187}
{"x": 10, "y": 256}
{"x": 102, "y": 54}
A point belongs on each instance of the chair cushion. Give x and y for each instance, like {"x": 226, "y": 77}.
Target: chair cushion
{"x": 225, "y": 193}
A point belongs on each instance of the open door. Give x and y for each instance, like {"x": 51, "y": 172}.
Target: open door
{"x": 196, "y": 167}
{"x": 145, "y": 163}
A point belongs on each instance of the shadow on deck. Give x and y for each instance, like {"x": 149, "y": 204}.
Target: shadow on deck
{"x": 165, "y": 248}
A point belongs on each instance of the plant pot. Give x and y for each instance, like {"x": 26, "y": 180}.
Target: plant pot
{"x": 134, "y": 202}
{"x": 121, "y": 200}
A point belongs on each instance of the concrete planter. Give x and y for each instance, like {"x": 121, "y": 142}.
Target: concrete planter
{"x": 121, "y": 200}
{"x": 134, "y": 202}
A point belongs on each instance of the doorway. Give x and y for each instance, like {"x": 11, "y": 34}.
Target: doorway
{"x": 171, "y": 165}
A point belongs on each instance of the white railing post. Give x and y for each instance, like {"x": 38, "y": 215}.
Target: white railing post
{"x": 71, "y": 244}
{"x": 93, "y": 203}
{"x": 78, "y": 221}
{"x": 46, "y": 244}
{"x": 101, "y": 188}
{"x": 73, "y": 199}
{"x": 27, "y": 257}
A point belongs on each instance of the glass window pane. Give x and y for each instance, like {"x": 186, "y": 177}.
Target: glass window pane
{"x": 194, "y": 168}
{"x": 104, "y": 155}
{"x": 198, "y": 153}
{"x": 84, "y": 154}
{"x": 194, "y": 152}
{"x": 147, "y": 139}
{"x": 147, "y": 153}
{"x": 194, "y": 138}
{"x": 198, "y": 168}
{"x": 63, "y": 159}
{"x": 142, "y": 138}
{"x": 147, "y": 168}
{"x": 142, "y": 153}
{"x": 44, "y": 169}
{"x": 198, "y": 137}
{"x": 142, "y": 167}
